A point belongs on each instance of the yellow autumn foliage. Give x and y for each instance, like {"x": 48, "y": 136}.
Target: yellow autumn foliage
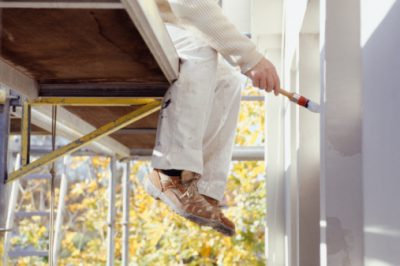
{"x": 157, "y": 235}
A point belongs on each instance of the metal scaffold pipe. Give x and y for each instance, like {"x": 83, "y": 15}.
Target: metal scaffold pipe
{"x": 125, "y": 215}
{"x": 111, "y": 213}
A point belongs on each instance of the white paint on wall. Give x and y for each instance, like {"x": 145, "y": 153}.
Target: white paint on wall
{"x": 290, "y": 132}
{"x": 266, "y": 17}
{"x": 238, "y": 12}
{"x": 341, "y": 149}
{"x": 381, "y": 131}
{"x": 375, "y": 262}
{"x": 309, "y": 152}
{"x": 376, "y": 11}
{"x": 294, "y": 12}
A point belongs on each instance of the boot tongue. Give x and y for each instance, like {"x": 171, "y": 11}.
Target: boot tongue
{"x": 188, "y": 176}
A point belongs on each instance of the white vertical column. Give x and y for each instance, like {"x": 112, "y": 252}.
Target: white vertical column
{"x": 291, "y": 134}
{"x": 266, "y": 30}
{"x": 111, "y": 213}
{"x": 341, "y": 151}
{"x": 294, "y": 13}
{"x": 308, "y": 153}
{"x": 308, "y": 169}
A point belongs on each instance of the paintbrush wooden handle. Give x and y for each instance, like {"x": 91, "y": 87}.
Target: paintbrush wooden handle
{"x": 286, "y": 93}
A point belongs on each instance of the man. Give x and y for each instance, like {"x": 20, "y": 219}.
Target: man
{"x": 197, "y": 122}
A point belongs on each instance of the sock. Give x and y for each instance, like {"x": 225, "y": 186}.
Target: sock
{"x": 172, "y": 172}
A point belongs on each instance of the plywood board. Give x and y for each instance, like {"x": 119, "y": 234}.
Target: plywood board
{"x": 74, "y": 46}
{"x": 98, "y": 116}
{"x": 84, "y": 52}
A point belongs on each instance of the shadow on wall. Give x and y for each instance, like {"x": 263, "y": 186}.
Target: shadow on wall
{"x": 339, "y": 250}
{"x": 381, "y": 131}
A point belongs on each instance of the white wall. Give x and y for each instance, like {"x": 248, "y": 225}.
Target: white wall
{"x": 341, "y": 149}
{"x": 292, "y": 133}
{"x": 381, "y": 131}
{"x": 238, "y": 12}
{"x": 266, "y": 30}
{"x": 309, "y": 141}
{"x": 360, "y": 133}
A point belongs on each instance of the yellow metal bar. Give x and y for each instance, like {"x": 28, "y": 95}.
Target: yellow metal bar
{"x": 3, "y": 95}
{"x": 85, "y": 140}
{"x": 90, "y": 101}
{"x": 25, "y": 133}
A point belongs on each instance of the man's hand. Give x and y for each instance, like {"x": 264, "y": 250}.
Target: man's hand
{"x": 264, "y": 76}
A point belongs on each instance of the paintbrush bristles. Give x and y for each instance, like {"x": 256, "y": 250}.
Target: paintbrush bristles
{"x": 313, "y": 107}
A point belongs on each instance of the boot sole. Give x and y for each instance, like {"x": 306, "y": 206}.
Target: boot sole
{"x": 224, "y": 229}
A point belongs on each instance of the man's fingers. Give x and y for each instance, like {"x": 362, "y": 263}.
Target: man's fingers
{"x": 277, "y": 85}
{"x": 270, "y": 83}
{"x": 263, "y": 84}
{"x": 256, "y": 82}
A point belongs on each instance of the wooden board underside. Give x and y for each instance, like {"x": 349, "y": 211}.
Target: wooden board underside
{"x": 84, "y": 47}
{"x": 77, "y": 46}
{"x": 58, "y": 1}
{"x": 133, "y": 141}
{"x": 15, "y": 128}
{"x": 99, "y": 116}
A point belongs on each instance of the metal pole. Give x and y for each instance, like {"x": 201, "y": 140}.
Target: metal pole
{"x": 125, "y": 216}
{"x": 111, "y": 214}
{"x": 60, "y": 213}
{"x": 4, "y": 133}
{"x": 240, "y": 153}
{"x": 10, "y": 215}
{"x": 105, "y": 130}
{"x": 25, "y": 133}
{"x": 52, "y": 185}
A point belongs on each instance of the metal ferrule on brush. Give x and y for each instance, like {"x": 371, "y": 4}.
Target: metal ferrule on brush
{"x": 300, "y": 100}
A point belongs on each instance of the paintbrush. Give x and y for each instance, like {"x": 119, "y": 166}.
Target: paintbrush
{"x": 301, "y": 100}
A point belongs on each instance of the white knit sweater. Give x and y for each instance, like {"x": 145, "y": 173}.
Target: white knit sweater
{"x": 205, "y": 17}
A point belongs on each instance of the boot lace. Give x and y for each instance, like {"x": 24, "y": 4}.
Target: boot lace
{"x": 191, "y": 189}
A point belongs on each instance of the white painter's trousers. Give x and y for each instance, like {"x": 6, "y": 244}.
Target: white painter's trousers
{"x": 199, "y": 115}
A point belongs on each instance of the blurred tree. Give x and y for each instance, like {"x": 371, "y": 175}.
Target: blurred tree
{"x": 157, "y": 235}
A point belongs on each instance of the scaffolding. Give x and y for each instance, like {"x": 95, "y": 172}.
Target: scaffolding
{"x": 27, "y": 97}
{"x": 75, "y": 149}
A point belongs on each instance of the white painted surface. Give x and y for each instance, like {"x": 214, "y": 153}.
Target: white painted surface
{"x": 341, "y": 158}
{"x": 238, "y": 11}
{"x": 266, "y": 26}
{"x": 309, "y": 152}
{"x": 292, "y": 150}
{"x": 381, "y": 131}
{"x": 294, "y": 12}
{"x": 293, "y": 16}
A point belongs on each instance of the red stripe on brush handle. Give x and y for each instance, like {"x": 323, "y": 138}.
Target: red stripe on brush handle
{"x": 300, "y": 100}
{"x": 294, "y": 97}
{"x": 303, "y": 101}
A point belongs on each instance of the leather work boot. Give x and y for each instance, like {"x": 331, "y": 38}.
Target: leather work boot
{"x": 224, "y": 226}
{"x": 181, "y": 195}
